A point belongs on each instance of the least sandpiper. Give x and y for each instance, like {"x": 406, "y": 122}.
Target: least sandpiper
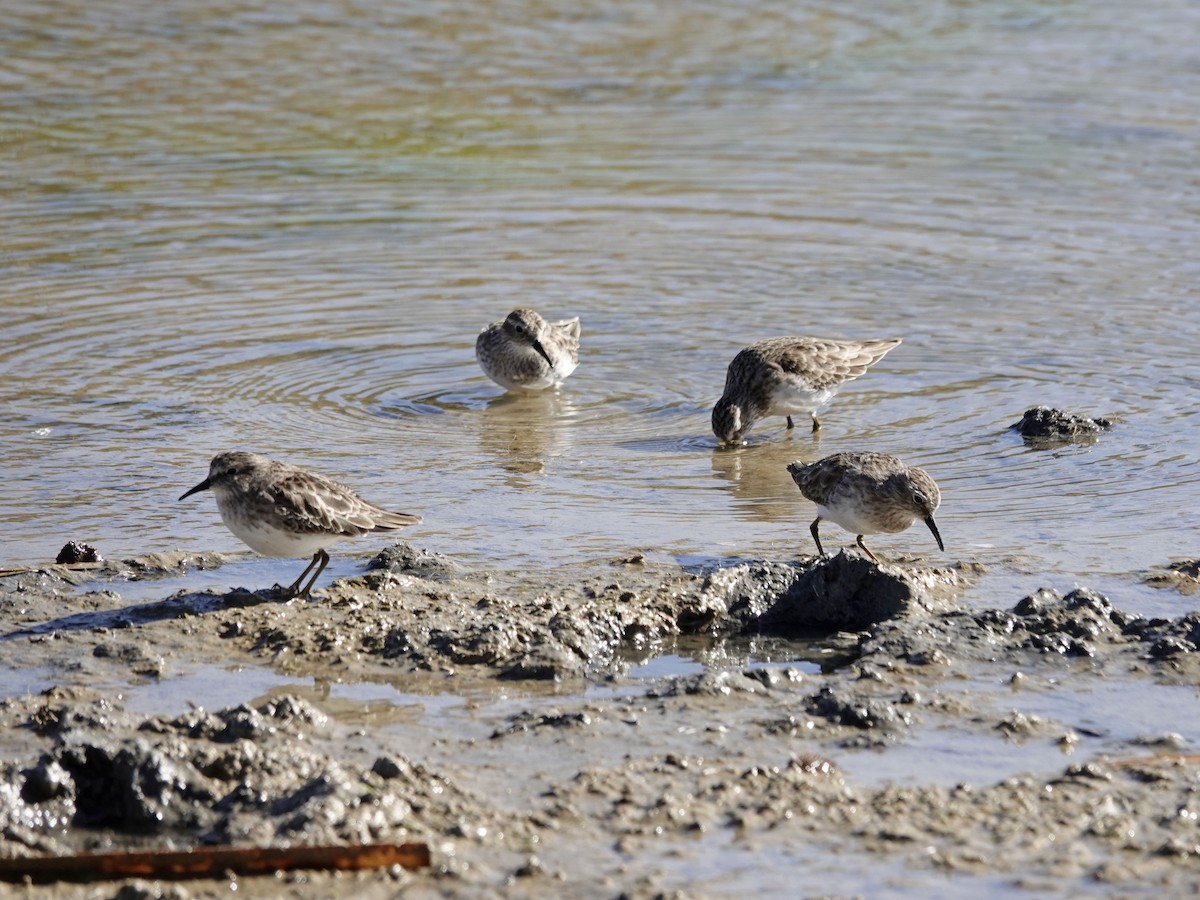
{"x": 867, "y": 493}
{"x": 526, "y": 353}
{"x": 788, "y": 375}
{"x": 283, "y": 510}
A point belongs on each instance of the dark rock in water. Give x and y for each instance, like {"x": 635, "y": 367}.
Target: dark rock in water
{"x": 388, "y": 767}
{"x": 1042, "y": 424}
{"x": 78, "y": 552}
{"x": 1172, "y": 637}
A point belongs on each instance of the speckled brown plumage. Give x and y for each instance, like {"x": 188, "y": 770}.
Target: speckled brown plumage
{"x": 784, "y": 376}
{"x": 283, "y": 510}
{"x": 867, "y": 493}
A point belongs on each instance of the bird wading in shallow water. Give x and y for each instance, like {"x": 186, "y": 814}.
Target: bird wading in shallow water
{"x": 867, "y": 493}
{"x": 788, "y": 376}
{"x": 524, "y": 352}
{"x": 288, "y": 511}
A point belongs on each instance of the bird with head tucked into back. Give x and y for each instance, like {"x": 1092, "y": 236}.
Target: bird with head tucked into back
{"x": 524, "y": 352}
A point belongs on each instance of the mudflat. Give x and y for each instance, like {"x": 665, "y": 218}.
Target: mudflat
{"x": 615, "y": 728}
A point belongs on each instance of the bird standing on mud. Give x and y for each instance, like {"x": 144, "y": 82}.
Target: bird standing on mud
{"x": 867, "y": 493}
{"x": 288, "y": 511}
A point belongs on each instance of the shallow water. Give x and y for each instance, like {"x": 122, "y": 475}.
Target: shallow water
{"x": 230, "y": 225}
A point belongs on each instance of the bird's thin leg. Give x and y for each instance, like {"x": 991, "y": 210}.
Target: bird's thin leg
{"x": 291, "y": 592}
{"x": 791, "y": 424}
{"x": 816, "y": 536}
{"x": 324, "y": 557}
{"x": 865, "y": 550}
{"x": 816, "y": 424}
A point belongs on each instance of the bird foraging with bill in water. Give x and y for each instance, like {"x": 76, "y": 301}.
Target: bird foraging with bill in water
{"x": 788, "y": 376}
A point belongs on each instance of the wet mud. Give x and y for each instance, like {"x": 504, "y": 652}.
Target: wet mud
{"x": 566, "y": 771}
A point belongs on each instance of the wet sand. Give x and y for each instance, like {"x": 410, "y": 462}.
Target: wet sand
{"x": 806, "y": 740}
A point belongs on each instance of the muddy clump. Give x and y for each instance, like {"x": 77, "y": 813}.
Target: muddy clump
{"x": 403, "y": 558}
{"x": 841, "y": 593}
{"x": 1104, "y": 823}
{"x": 243, "y": 774}
{"x": 1083, "y": 625}
{"x": 1044, "y": 622}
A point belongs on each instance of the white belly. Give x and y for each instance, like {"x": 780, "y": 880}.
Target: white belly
{"x": 563, "y": 366}
{"x": 853, "y": 520}
{"x": 271, "y": 541}
{"x": 791, "y": 398}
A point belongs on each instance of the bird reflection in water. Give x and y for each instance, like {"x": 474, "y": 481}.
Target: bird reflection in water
{"x": 523, "y": 431}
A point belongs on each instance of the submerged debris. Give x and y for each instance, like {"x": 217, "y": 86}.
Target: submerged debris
{"x": 1182, "y": 575}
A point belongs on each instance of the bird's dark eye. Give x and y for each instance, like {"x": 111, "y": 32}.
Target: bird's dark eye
{"x": 918, "y": 498}
{"x": 232, "y": 471}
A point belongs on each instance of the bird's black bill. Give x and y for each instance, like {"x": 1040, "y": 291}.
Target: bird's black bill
{"x": 537, "y": 345}
{"x": 933, "y": 528}
{"x": 202, "y": 486}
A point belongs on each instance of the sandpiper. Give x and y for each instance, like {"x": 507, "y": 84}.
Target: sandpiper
{"x": 288, "y": 511}
{"x": 526, "y": 353}
{"x": 867, "y": 493}
{"x": 788, "y": 375}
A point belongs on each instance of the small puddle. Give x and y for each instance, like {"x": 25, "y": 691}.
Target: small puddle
{"x": 19, "y": 682}
{"x": 210, "y": 687}
{"x": 1104, "y": 716}
{"x": 669, "y": 665}
{"x": 215, "y": 687}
